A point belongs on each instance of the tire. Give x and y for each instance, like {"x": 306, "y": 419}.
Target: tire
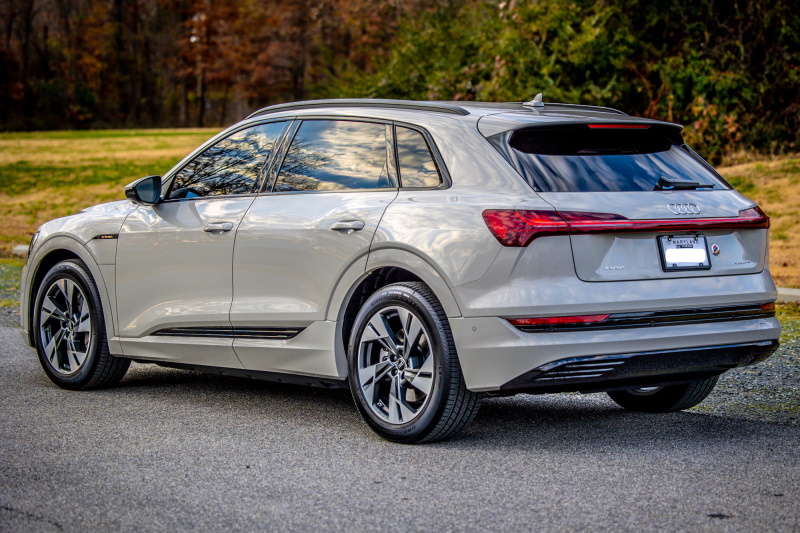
{"x": 664, "y": 399}
{"x": 408, "y": 392}
{"x": 69, "y": 330}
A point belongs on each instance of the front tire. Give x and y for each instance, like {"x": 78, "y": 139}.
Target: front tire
{"x": 69, "y": 330}
{"x": 404, "y": 371}
{"x": 664, "y": 399}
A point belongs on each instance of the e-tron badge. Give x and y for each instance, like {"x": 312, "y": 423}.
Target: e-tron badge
{"x": 683, "y": 209}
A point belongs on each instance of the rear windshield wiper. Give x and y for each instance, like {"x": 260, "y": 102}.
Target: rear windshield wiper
{"x": 671, "y": 184}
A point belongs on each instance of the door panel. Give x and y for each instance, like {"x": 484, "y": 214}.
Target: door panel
{"x": 173, "y": 273}
{"x": 174, "y": 259}
{"x": 295, "y": 243}
{"x": 288, "y": 259}
{"x": 287, "y": 263}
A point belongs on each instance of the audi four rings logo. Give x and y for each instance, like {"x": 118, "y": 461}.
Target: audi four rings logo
{"x": 684, "y": 209}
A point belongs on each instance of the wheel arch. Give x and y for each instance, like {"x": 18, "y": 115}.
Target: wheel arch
{"x": 51, "y": 253}
{"x": 357, "y": 285}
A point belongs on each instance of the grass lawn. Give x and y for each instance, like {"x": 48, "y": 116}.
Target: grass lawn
{"x": 44, "y": 175}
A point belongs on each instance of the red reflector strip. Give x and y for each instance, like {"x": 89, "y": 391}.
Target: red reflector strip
{"x": 768, "y": 307}
{"x": 544, "y": 321}
{"x": 618, "y": 126}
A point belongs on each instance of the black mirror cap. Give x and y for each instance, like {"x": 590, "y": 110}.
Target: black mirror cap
{"x": 144, "y": 191}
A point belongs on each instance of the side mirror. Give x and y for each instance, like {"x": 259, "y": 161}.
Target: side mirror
{"x": 144, "y": 191}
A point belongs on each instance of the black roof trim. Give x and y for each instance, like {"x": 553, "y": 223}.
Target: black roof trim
{"x": 436, "y": 107}
{"x": 520, "y": 106}
{"x": 586, "y": 107}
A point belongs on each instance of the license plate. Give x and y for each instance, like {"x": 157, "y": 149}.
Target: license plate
{"x": 684, "y": 252}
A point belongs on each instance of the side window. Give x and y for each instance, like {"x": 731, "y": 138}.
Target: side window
{"x": 231, "y": 166}
{"x": 329, "y": 155}
{"x": 414, "y": 158}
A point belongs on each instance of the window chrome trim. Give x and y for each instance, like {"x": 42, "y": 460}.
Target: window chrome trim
{"x": 215, "y": 197}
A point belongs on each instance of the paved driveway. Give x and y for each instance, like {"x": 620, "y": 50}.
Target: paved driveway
{"x": 174, "y": 450}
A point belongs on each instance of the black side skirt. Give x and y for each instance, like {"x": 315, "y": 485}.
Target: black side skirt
{"x": 275, "y": 377}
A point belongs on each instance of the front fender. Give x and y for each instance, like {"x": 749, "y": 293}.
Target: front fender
{"x": 103, "y": 275}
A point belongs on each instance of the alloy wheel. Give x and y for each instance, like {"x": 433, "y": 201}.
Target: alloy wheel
{"x": 65, "y": 326}
{"x": 395, "y": 364}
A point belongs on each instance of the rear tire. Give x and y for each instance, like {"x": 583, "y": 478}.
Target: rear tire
{"x": 664, "y": 399}
{"x": 404, "y": 371}
{"x": 69, "y": 330}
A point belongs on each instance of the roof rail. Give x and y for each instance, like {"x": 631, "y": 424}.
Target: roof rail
{"x": 364, "y": 102}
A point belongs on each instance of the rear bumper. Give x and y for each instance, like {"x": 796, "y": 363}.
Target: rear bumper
{"x": 606, "y": 372}
{"x": 497, "y": 357}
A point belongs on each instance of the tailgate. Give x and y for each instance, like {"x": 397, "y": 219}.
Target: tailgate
{"x": 721, "y": 229}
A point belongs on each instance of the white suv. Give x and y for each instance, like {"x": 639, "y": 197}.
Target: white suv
{"x": 424, "y": 254}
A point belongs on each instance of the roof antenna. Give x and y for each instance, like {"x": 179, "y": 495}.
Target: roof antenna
{"x": 536, "y": 102}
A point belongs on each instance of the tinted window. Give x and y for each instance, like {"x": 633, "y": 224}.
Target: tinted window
{"x": 584, "y": 160}
{"x": 328, "y": 155}
{"x": 417, "y": 168}
{"x": 231, "y": 166}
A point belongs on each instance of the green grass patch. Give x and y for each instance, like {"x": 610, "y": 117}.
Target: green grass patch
{"x": 10, "y": 272}
{"x": 23, "y": 176}
{"x": 104, "y": 134}
{"x": 789, "y": 316}
{"x": 46, "y": 175}
{"x": 743, "y": 185}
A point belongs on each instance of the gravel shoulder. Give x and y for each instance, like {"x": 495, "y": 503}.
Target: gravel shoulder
{"x": 767, "y": 391}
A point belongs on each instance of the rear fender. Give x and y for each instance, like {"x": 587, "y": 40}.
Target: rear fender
{"x": 387, "y": 257}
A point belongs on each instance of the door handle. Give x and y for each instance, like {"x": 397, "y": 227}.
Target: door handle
{"x": 348, "y": 226}
{"x": 218, "y": 226}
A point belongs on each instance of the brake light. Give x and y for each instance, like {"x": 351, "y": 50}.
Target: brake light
{"x": 551, "y": 320}
{"x": 757, "y": 217}
{"x": 519, "y": 227}
{"x": 619, "y": 126}
{"x": 768, "y": 307}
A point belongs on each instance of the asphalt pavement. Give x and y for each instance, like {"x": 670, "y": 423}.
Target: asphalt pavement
{"x": 171, "y": 450}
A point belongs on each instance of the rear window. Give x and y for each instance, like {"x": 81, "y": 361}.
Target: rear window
{"x": 580, "y": 159}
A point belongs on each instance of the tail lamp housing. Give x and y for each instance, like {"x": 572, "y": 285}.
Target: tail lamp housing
{"x": 519, "y": 227}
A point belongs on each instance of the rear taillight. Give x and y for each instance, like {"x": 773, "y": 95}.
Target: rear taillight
{"x": 520, "y": 227}
{"x": 553, "y": 320}
{"x": 756, "y": 217}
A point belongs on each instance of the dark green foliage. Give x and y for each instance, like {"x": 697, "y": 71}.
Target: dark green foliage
{"x": 729, "y": 71}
